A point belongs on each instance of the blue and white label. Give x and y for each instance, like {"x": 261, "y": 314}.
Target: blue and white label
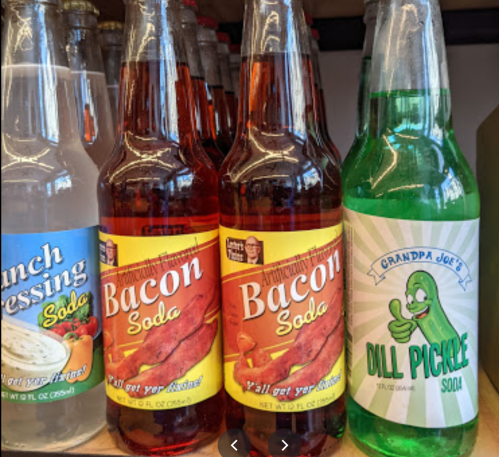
{"x": 51, "y": 316}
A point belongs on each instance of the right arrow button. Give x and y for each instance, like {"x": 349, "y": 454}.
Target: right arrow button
{"x": 285, "y": 443}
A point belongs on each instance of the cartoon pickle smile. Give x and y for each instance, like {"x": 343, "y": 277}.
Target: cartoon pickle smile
{"x": 423, "y": 302}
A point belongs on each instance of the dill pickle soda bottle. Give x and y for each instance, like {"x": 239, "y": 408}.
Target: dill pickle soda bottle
{"x": 52, "y": 370}
{"x": 412, "y": 212}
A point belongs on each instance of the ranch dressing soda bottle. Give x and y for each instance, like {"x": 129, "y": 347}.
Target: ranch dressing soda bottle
{"x": 52, "y": 368}
{"x": 412, "y": 213}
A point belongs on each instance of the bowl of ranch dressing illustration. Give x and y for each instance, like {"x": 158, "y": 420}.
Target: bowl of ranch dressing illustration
{"x": 30, "y": 356}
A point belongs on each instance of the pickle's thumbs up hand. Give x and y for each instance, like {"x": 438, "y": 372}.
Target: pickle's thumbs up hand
{"x": 401, "y": 328}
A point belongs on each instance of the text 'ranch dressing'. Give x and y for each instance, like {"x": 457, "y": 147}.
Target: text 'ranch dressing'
{"x": 30, "y": 358}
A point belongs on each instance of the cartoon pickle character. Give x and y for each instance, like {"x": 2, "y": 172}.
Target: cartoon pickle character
{"x": 424, "y": 303}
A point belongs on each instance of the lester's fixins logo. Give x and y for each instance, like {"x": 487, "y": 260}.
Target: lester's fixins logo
{"x": 445, "y": 351}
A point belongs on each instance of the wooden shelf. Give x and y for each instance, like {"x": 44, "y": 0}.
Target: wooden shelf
{"x": 487, "y": 444}
{"x": 228, "y": 12}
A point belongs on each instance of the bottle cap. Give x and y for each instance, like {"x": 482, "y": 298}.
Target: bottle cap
{"x": 309, "y": 19}
{"x": 109, "y": 26}
{"x": 235, "y": 48}
{"x": 316, "y": 35}
{"x": 191, "y": 3}
{"x": 223, "y": 37}
{"x": 83, "y": 6}
{"x": 205, "y": 21}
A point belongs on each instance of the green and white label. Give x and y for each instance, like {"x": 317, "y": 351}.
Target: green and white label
{"x": 413, "y": 319}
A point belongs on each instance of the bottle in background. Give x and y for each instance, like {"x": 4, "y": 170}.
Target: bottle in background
{"x": 159, "y": 215}
{"x": 319, "y": 90}
{"x": 362, "y": 131}
{"x": 111, "y": 43}
{"x": 281, "y": 238}
{"x": 204, "y": 119}
{"x": 235, "y": 71}
{"x": 208, "y": 46}
{"x": 230, "y": 94}
{"x": 412, "y": 212}
{"x": 85, "y": 62}
{"x": 487, "y": 166}
{"x": 52, "y": 367}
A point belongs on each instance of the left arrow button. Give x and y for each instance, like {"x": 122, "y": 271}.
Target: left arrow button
{"x": 234, "y": 443}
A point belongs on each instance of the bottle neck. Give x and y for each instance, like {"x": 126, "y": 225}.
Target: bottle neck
{"x": 208, "y": 47}
{"x": 189, "y": 32}
{"x": 365, "y": 75}
{"x": 224, "y": 62}
{"x": 277, "y": 75}
{"x": 156, "y": 92}
{"x": 83, "y": 42}
{"x": 410, "y": 84}
{"x": 34, "y": 35}
{"x": 35, "y": 74}
{"x": 111, "y": 44}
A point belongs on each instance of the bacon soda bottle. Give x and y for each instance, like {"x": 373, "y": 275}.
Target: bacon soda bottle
{"x": 219, "y": 108}
{"x": 412, "y": 210}
{"x": 224, "y": 62}
{"x": 281, "y": 246}
{"x": 203, "y": 117}
{"x": 159, "y": 251}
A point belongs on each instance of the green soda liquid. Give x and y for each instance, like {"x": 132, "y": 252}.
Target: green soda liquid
{"x": 411, "y": 169}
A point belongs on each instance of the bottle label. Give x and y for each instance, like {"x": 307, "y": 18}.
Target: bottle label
{"x": 51, "y": 316}
{"x": 413, "y": 319}
{"x": 162, "y": 320}
{"x": 283, "y": 318}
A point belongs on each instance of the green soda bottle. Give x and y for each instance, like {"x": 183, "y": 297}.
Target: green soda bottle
{"x": 362, "y": 130}
{"x": 412, "y": 211}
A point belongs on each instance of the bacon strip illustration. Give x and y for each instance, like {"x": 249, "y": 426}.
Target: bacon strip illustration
{"x": 260, "y": 358}
{"x": 162, "y": 341}
{"x": 311, "y": 339}
{"x": 313, "y": 373}
{"x": 189, "y": 353}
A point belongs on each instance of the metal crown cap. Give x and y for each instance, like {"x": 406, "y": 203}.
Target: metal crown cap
{"x": 83, "y": 6}
{"x": 110, "y": 26}
{"x": 207, "y": 22}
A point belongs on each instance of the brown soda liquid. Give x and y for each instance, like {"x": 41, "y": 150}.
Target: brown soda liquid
{"x": 219, "y": 109}
{"x": 279, "y": 203}
{"x": 204, "y": 121}
{"x": 140, "y": 198}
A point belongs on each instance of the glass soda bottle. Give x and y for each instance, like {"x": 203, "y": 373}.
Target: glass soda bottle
{"x": 362, "y": 130}
{"x": 412, "y": 211}
{"x": 52, "y": 366}
{"x": 111, "y": 43}
{"x": 281, "y": 239}
{"x": 208, "y": 46}
{"x": 203, "y": 117}
{"x": 160, "y": 251}
{"x": 230, "y": 94}
{"x": 319, "y": 90}
{"x": 87, "y": 68}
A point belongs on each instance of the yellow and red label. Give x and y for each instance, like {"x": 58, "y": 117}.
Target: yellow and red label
{"x": 162, "y": 322}
{"x": 283, "y": 318}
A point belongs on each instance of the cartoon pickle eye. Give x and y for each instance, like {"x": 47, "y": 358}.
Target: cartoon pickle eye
{"x": 421, "y": 296}
{"x": 410, "y": 299}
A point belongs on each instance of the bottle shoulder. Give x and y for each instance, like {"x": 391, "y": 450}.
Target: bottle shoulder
{"x": 283, "y": 157}
{"x": 412, "y": 177}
